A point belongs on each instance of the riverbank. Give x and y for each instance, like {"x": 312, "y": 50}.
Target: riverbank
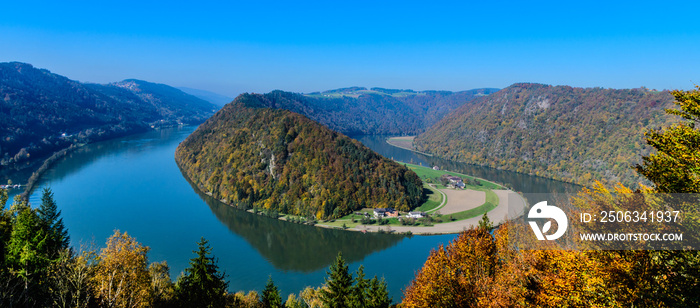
{"x": 405, "y": 143}
{"x": 36, "y": 175}
{"x": 510, "y": 206}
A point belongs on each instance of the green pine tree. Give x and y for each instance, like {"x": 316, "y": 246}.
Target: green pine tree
{"x": 378, "y": 296}
{"x": 271, "y": 295}
{"x": 25, "y": 258}
{"x": 51, "y": 221}
{"x": 338, "y": 285}
{"x": 359, "y": 290}
{"x": 202, "y": 285}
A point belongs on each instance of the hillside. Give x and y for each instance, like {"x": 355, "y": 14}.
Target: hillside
{"x": 572, "y": 134}
{"x": 357, "y": 110}
{"x": 250, "y": 154}
{"x": 42, "y": 112}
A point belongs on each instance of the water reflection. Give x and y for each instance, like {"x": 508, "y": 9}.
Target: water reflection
{"x": 532, "y": 187}
{"x": 295, "y": 247}
{"x": 86, "y": 156}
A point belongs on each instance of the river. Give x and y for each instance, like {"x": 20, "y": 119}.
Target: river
{"x": 133, "y": 184}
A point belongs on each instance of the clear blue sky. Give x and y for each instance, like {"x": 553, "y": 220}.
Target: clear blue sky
{"x": 303, "y": 46}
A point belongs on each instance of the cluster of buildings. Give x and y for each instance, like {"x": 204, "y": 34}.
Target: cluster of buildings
{"x": 453, "y": 181}
{"x": 390, "y": 212}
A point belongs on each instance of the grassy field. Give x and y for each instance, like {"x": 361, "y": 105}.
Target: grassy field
{"x": 435, "y": 198}
{"x": 490, "y": 204}
{"x": 428, "y": 173}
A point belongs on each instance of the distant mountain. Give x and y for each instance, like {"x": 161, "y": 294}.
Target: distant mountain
{"x": 214, "y": 98}
{"x": 572, "y": 134}
{"x": 42, "y": 112}
{"x": 253, "y": 155}
{"x": 356, "y": 110}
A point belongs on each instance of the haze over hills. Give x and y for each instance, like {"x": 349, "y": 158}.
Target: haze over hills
{"x": 252, "y": 154}
{"x": 572, "y": 134}
{"x": 214, "y": 98}
{"x": 42, "y": 112}
{"x": 357, "y": 110}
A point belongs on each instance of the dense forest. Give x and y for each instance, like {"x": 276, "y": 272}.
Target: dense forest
{"x": 481, "y": 268}
{"x": 42, "y": 112}
{"x": 252, "y": 155}
{"x": 572, "y": 134}
{"x": 377, "y": 111}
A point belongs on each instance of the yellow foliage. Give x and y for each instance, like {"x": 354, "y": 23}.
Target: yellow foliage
{"x": 122, "y": 278}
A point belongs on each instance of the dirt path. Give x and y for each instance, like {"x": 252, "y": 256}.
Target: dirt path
{"x": 444, "y": 200}
{"x": 510, "y": 205}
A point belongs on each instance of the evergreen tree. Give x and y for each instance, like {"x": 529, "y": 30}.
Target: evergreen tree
{"x": 25, "y": 259}
{"x": 202, "y": 285}
{"x": 338, "y": 285}
{"x": 271, "y": 295}
{"x": 359, "y": 290}
{"x": 378, "y": 296}
{"x": 49, "y": 215}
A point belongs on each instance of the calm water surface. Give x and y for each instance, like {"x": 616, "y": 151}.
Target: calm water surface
{"x": 133, "y": 184}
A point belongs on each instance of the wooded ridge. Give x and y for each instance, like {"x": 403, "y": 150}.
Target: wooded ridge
{"x": 42, "y": 112}
{"x": 252, "y": 155}
{"x": 577, "y": 135}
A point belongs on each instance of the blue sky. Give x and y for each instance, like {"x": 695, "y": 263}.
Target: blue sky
{"x": 303, "y": 46}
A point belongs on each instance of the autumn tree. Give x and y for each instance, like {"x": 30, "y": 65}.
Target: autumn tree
{"x": 456, "y": 275}
{"x": 675, "y": 167}
{"x": 162, "y": 285}
{"x": 122, "y": 278}
{"x": 71, "y": 279}
{"x": 202, "y": 284}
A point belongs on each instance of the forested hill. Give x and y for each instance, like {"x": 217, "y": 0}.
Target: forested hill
{"x": 42, "y": 112}
{"x": 377, "y": 111}
{"x": 250, "y": 154}
{"x": 577, "y": 135}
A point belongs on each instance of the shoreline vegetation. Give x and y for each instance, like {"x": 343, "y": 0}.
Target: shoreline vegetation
{"x": 433, "y": 223}
{"x": 36, "y": 175}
